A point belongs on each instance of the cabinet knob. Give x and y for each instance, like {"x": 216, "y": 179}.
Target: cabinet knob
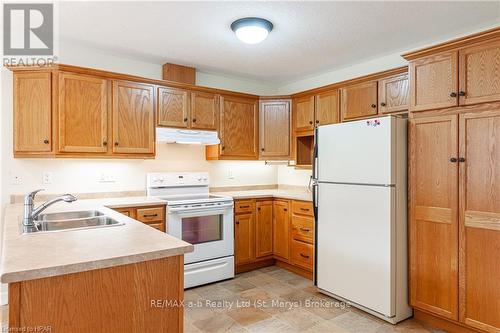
{"x": 194, "y": 120}
{"x": 237, "y": 222}
{"x": 285, "y": 210}
{"x": 116, "y": 143}
{"x": 453, "y": 94}
{"x": 105, "y": 143}
{"x": 453, "y": 160}
{"x": 223, "y": 147}
{"x": 461, "y": 93}
{"x": 461, "y": 159}
{"x": 262, "y": 149}
{"x": 317, "y": 121}
{"x": 46, "y": 141}
{"x": 374, "y": 106}
{"x": 311, "y": 122}
{"x": 258, "y": 209}
{"x": 185, "y": 119}
{"x": 383, "y": 104}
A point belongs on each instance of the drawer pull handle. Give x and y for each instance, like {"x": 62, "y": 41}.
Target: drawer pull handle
{"x": 245, "y": 206}
{"x": 304, "y": 209}
{"x": 305, "y": 229}
{"x": 304, "y": 256}
{"x": 150, "y": 215}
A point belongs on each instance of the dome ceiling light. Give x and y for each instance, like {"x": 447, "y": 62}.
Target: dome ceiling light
{"x": 251, "y": 30}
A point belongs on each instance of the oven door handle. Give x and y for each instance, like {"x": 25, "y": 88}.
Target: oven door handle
{"x": 205, "y": 209}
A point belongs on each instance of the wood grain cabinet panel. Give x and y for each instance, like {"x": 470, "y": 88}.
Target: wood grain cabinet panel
{"x": 480, "y": 219}
{"x": 83, "y": 113}
{"x": 281, "y": 228}
{"x": 204, "y": 110}
{"x": 303, "y": 112}
{"x": 264, "y": 229}
{"x": 434, "y": 82}
{"x": 393, "y": 94}
{"x": 274, "y": 128}
{"x": 433, "y": 215}
{"x": 479, "y": 70}
{"x": 327, "y": 108}
{"x": 244, "y": 235}
{"x": 239, "y": 128}
{"x": 173, "y": 107}
{"x": 133, "y": 118}
{"x": 302, "y": 255}
{"x": 359, "y": 101}
{"x": 32, "y": 112}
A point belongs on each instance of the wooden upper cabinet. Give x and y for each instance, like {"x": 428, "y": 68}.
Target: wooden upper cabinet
{"x": 434, "y": 82}
{"x": 264, "y": 229}
{"x": 303, "y": 111}
{"x": 359, "y": 101}
{"x": 173, "y": 106}
{"x": 327, "y": 108}
{"x": 480, "y": 219}
{"x": 433, "y": 215}
{"x": 83, "y": 113}
{"x": 479, "y": 70}
{"x": 244, "y": 250}
{"x": 239, "y": 127}
{"x": 32, "y": 112}
{"x": 204, "y": 111}
{"x": 393, "y": 94}
{"x": 274, "y": 128}
{"x": 281, "y": 228}
{"x": 133, "y": 118}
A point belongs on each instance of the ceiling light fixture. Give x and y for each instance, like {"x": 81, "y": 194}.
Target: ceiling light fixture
{"x": 251, "y": 30}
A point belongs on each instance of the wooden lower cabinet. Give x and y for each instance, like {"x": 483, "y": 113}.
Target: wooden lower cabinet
{"x": 153, "y": 216}
{"x": 455, "y": 216}
{"x": 263, "y": 235}
{"x": 114, "y": 299}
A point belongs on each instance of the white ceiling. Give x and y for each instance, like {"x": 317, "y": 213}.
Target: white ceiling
{"x": 308, "y": 37}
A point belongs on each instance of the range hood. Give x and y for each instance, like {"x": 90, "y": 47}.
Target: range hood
{"x": 176, "y": 135}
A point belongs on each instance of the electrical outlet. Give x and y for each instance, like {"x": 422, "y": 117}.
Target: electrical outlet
{"x": 107, "y": 178}
{"x": 16, "y": 180}
{"x": 47, "y": 177}
{"x": 230, "y": 174}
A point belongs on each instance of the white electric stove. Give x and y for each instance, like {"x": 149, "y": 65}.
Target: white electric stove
{"x": 200, "y": 218}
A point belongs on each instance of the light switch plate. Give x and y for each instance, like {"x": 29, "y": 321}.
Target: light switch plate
{"x": 47, "y": 177}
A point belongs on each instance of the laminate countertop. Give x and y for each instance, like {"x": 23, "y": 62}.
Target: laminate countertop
{"x": 39, "y": 255}
{"x": 271, "y": 193}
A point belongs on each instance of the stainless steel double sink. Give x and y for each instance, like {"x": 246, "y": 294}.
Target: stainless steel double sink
{"x": 52, "y": 222}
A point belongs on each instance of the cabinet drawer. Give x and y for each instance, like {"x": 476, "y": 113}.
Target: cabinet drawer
{"x": 154, "y": 214}
{"x": 130, "y": 212}
{"x": 303, "y": 228}
{"x": 160, "y": 226}
{"x": 302, "y": 254}
{"x": 244, "y": 206}
{"x": 302, "y": 207}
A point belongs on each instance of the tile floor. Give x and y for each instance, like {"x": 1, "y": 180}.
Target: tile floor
{"x": 271, "y": 300}
{"x": 275, "y": 300}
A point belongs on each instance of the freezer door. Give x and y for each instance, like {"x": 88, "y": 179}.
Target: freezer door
{"x": 357, "y": 151}
{"x": 355, "y": 244}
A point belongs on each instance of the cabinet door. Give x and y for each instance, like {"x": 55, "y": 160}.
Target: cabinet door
{"x": 327, "y": 108}
{"x": 479, "y": 68}
{"x": 83, "y": 114}
{"x": 393, "y": 94}
{"x": 433, "y": 215}
{"x": 244, "y": 250}
{"x": 281, "y": 227}
{"x": 480, "y": 219}
{"x": 434, "y": 82}
{"x": 239, "y": 127}
{"x": 274, "y": 129}
{"x": 359, "y": 100}
{"x": 264, "y": 229}
{"x": 204, "y": 111}
{"x": 303, "y": 110}
{"x": 32, "y": 112}
{"x": 173, "y": 107}
{"x": 133, "y": 118}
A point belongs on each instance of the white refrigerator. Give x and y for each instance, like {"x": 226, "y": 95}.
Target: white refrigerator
{"x": 361, "y": 225}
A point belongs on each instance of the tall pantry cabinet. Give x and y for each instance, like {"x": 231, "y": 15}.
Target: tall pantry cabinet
{"x": 454, "y": 179}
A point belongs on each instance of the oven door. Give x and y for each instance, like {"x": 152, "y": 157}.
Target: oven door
{"x": 209, "y": 229}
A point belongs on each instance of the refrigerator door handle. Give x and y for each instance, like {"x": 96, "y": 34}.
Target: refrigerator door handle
{"x": 315, "y": 156}
{"x": 315, "y": 205}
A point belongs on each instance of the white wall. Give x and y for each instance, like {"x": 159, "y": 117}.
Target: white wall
{"x": 291, "y": 176}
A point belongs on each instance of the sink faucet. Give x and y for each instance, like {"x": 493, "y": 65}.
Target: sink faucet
{"x": 31, "y": 213}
